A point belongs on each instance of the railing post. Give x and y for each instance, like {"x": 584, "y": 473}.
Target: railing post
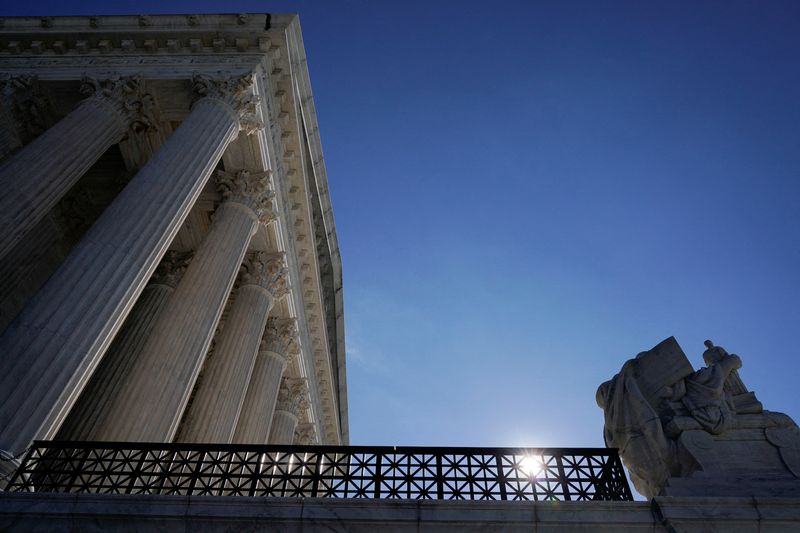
{"x": 256, "y": 473}
{"x": 78, "y": 468}
{"x": 195, "y": 475}
{"x": 317, "y": 475}
{"x": 136, "y": 471}
{"x": 19, "y": 472}
{"x": 501, "y": 476}
{"x": 562, "y": 476}
{"x": 378, "y": 476}
{"x": 439, "y": 476}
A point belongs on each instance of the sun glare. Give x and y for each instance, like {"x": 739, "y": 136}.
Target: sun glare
{"x": 531, "y": 465}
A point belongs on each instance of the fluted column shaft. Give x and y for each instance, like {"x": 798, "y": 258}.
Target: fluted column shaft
{"x": 149, "y": 404}
{"x": 221, "y": 387}
{"x": 292, "y": 400}
{"x": 29, "y": 262}
{"x": 89, "y": 414}
{"x": 35, "y": 178}
{"x": 212, "y": 415}
{"x": 54, "y": 345}
{"x": 282, "y": 429}
{"x": 255, "y": 418}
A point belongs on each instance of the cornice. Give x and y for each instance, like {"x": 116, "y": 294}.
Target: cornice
{"x": 140, "y": 34}
{"x": 286, "y": 120}
{"x": 299, "y": 68}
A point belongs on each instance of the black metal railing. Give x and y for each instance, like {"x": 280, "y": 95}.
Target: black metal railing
{"x": 323, "y": 471}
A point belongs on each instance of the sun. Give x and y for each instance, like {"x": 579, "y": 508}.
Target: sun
{"x": 531, "y": 465}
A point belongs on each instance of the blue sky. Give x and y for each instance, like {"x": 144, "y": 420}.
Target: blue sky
{"x": 529, "y": 193}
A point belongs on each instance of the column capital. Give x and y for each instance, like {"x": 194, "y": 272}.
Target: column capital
{"x": 236, "y": 92}
{"x": 250, "y": 189}
{"x": 171, "y": 268}
{"x": 125, "y": 96}
{"x": 293, "y": 396}
{"x": 280, "y": 336}
{"x": 31, "y": 109}
{"x": 267, "y": 270}
{"x": 305, "y": 434}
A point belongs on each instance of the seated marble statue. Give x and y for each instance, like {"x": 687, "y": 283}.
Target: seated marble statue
{"x": 686, "y": 432}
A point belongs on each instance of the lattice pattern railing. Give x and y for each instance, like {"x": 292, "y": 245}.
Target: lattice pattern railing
{"x": 323, "y": 471}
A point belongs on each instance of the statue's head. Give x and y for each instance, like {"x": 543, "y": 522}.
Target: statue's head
{"x": 713, "y": 353}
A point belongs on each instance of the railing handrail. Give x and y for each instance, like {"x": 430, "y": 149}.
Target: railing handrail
{"x": 316, "y": 447}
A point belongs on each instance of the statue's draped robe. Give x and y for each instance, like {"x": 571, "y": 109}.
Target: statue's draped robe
{"x": 633, "y": 427}
{"x": 705, "y": 397}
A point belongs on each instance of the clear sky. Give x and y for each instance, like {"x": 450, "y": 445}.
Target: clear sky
{"x": 529, "y": 193}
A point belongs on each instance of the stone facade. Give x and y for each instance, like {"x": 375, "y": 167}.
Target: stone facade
{"x": 89, "y": 513}
{"x": 165, "y": 198}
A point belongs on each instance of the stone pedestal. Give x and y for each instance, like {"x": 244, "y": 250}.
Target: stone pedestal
{"x": 89, "y": 415}
{"x": 292, "y": 399}
{"x": 51, "y": 349}
{"x": 221, "y": 388}
{"x": 278, "y": 344}
{"x": 150, "y": 403}
{"x": 38, "y": 175}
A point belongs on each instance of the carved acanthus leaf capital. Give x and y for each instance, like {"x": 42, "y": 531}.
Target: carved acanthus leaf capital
{"x": 234, "y": 91}
{"x": 171, "y": 268}
{"x": 280, "y": 336}
{"x": 126, "y": 96}
{"x": 251, "y": 189}
{"x": 30, "y": 107}
{"x": 267, "y": 270}
{"x": 293, "y": 396}
{"x": 305, "y": 434}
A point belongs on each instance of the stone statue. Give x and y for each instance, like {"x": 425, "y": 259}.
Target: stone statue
{"x": 683, "y": 432}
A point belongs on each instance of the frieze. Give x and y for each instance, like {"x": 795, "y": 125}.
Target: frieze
{"x": 74, "y": 66}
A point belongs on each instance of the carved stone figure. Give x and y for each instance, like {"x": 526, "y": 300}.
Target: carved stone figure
{"x": 683, "y": 432}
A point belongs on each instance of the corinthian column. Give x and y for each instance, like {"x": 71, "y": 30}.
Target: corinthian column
{"x": 277, "y": 345}
{"x": 27, "y": 111}
{"x": 88, "y": 416}
{"x": 36, "y": 177}
{"x": 149, "y": 404}
{"x": 292, "y": 400}
{"x": 305, "y": 434}
{"x": 51, "y": 349}
{"x": 221, "y": 387}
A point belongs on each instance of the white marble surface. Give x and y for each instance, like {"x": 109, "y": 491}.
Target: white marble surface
{"x": 53, "y": 346}
{"x": 89, "y": 513}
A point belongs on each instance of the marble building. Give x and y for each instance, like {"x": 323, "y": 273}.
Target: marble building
{"x": 169, "y": 269}
{"x": 170, "y": 273}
